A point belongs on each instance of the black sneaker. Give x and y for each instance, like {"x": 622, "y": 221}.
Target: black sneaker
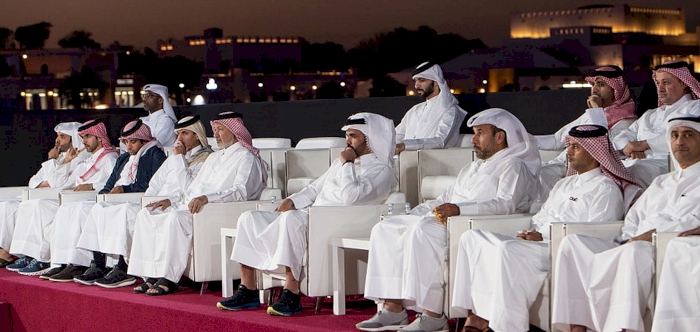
{"x": 68, "y": 273}
{"x": 242, "y": 299}
{"x": 115, "y": 278}
{"x": 51, "y": 272}
{"x": 286, "y": 305}
{"x": 88, "y": 278}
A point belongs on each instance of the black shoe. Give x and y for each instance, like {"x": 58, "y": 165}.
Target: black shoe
{"x": 71, "y": 271}
{"x": 286, "y": 305}
{"x": 115, "y": 278}
{"x": 90, "y": 276}
{"x": 242, "y": 299}
{"x": 51, "y": 272}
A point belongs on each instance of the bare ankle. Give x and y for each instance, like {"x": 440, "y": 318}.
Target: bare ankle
{"x": 578, "y": 328}
{"x": 393, "y": 306}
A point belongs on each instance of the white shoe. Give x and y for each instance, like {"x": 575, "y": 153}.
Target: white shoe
{"x": 425, "y": 323}
{"x": 384, "y": 320}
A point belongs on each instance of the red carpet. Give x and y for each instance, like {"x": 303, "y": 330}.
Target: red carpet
{"x": 41, "y": 305}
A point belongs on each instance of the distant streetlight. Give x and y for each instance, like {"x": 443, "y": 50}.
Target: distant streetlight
{"x": 411, "y": 93}
{"x": 314, "y": 87}
{"x": 484, "y": 81}
{"x": 342, "y": 84}
{"x": 292, "y": 88}
{"x": 211, "y": 86}
{"x": 260, "y": 85}
{"x": 182, "y": 85}
{"x": 24, "y": 56}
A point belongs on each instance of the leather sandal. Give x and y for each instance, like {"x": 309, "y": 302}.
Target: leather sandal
{"x": 172, "y": 287}
{"x": 144, "y": 286}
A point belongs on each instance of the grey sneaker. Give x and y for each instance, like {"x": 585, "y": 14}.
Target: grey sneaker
{"x": 425, "y": 323}
{"x": 384, "y": 320}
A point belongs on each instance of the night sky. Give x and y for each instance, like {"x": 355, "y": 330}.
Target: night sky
{"x": 141, "y": 23}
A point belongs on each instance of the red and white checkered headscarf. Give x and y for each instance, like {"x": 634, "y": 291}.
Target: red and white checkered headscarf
{"x": 680, "y": 70}
{"x": 623, "y": 107}
{"x": 136, "y": 130}
{"x": 233, "y": 122}
{"x": 594, "y": 139}
{"x": 98, "y": 129}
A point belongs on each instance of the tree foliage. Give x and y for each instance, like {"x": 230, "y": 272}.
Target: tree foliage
{"x": 79, "y": 39}
{"x": 33, "y": 36}
{"x": 81, "y": 82}
{"x": 323, "y": 57}
{"x": 5, "y": 38}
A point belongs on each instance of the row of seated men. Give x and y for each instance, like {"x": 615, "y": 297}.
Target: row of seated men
{"x": 346, "y": 182}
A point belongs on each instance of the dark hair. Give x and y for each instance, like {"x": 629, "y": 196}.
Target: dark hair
{"x": 495, "y": 130}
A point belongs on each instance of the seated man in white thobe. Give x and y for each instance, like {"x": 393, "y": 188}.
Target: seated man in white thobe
{"x": 234, "y": 173}
{"x": 169, "y": 177}
{"x": 499, "y": 276}
{"x": 609, "y": 94}
{"x": 434, "y": 123}
{"x": 161, "y": 118}
{"x": 602, "y": 285}
{"x": 407, "y": 253}
{"x": 643, "y": 143}
{"x": 268, "y": 240}
{"x": 66, "y": 138}
{"x": 33, "y": 231}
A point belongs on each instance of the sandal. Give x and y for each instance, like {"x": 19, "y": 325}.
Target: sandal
{"x": 144, "y": 286}
{"x": 172, "y": 287}
{"x": 4, "y": 263}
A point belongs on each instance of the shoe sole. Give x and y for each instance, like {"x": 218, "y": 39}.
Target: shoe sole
{"x": 61, "y": 280}
{"x": 84, "y": 282}
{"x": 117, "y": 285}
{"x": 383, "y": 328}
{"x": 273, "y": 312}
{"x": 245, "y": 306}
{"x": 14, "y": 269}
{"x": 35, "y": 273}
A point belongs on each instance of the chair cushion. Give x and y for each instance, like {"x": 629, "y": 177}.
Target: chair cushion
{"x": 433, "y": 186}
{"x": 320, "y": 143}
{"x": 295, "y": 185}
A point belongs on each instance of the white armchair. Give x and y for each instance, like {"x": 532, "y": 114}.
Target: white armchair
{"x": 325, "y": 224}
{"x": 660, "y": 241}
{"x": 305, "y": 166}
{"x": 437, "y": 169}
{"x": 320, "y": 143}
{"x": 40, "y": 193}
{"x": 68, "y": 196}
{"x": 408, "y": 175}
{"x": 272, "y": 143}
{"x": 123, "y": 197}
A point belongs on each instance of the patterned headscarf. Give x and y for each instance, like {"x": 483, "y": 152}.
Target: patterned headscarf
{"x": 594, "y": 139}
{"x": 233, "y": 122}
{"x": 623, "y": 107}
{"x": 680, "y": 70}
{"x": 136, "y": 130}
{"x": 96, "y": 128}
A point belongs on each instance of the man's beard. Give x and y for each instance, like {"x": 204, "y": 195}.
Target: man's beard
{"x": 427, "y": 91}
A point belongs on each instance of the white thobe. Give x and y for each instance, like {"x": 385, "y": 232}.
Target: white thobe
{"x": 33, "y": 233}
{"x": 162, "y": 239}
{"x": 407, "y": 253}
{"x": 9, "y": 207}
{"x": 427, "y": 126}
{"x": 678, "y": 292}
{"x": 162, "y": 127}
{"x": 268, "y": 240}
{"x": 555, "y": 169}
{"x": 607, "y": 287}
{"x": 511, "y": 271}
{"x": 650, "y": 127}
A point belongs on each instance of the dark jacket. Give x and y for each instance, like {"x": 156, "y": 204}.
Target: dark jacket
{"x": 148, "y": 165}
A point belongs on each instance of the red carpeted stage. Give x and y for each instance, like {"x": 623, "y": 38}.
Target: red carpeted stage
{"x": 41, "y": 305}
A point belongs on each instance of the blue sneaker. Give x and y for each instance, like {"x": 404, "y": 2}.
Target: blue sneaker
{"x": 242, "y": 299}
{"x": 286, "y": 305}
{"x": 20, "y": 263}
{"x": 35, "y": 268}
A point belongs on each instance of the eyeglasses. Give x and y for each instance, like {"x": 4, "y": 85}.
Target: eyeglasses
{"x": 149, "y": 95}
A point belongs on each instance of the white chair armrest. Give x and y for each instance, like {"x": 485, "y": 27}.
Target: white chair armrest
{"x": 145, "y": 200}
{"x": 267, "y": 194}
{"x": 266, "y": 206}
{"x": 123, "y": 197}
{"x": 206, "y": 237}
{"x": 327, "y": 223}
{"x": 660, "y": 241}
{"x": 11, "y": 192}
{"x": 41, "y": 193}
{"x": 506, "y": 225}
{"x": 77, "y": 196}
{"x": 396, "y": 198}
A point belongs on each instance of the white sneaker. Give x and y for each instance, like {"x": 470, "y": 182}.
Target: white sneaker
{"x": 384, "y": 320}
{"x": 425, "y": 323}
